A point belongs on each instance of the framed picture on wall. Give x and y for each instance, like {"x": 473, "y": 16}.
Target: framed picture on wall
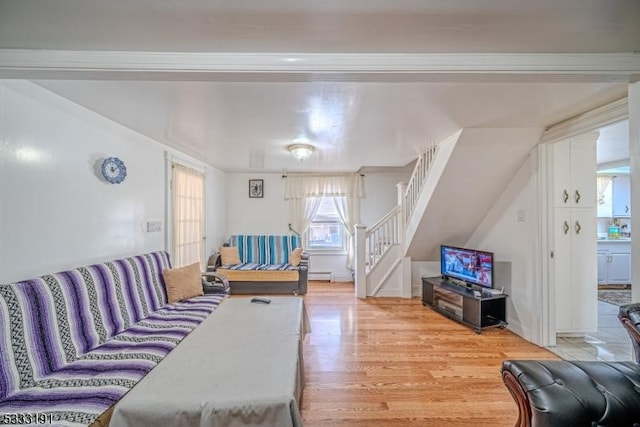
{"x": 256, "y": 188}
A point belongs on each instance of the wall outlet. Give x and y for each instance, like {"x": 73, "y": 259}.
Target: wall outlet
{"x": 153, "y": 226}
{"x": 520, "y": 215}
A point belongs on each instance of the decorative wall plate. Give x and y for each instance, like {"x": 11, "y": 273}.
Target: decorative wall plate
{"x": 113, "y": 170}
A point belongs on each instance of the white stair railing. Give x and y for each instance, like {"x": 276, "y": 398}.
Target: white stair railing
{"x": 418, "y": 177}
{"x": 371, "y": 244}
{"x": 382, "y": 236}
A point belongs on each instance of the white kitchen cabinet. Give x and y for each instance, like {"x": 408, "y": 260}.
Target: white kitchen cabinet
{"x": 621, "y": 190}
{"x": 603, "y": 260}
{"x": 614, "y": 262}
{"x": 575, "y": 263}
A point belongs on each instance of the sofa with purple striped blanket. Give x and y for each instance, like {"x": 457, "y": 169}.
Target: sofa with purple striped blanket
{"x": 265, "y": 266}
{"x": 73, "y": 343}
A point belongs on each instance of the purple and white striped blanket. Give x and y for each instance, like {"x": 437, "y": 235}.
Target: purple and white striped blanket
{"x": 73, "y": 343}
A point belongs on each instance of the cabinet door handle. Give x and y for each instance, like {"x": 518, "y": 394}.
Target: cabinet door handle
{"x": 565, "y": 196}
{"x": 577, "y": 196}
{"x": 578, "y": 227}
{"x": 626, "y": 209}
{"x": 566, "y": 227}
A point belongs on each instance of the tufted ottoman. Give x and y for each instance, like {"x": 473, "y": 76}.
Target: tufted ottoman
{"x": 564, "y": 393}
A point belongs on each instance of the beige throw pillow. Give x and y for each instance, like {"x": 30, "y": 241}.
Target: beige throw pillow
{"x": 295, "y": 257}
{"x": 183, "y": 283}
{"x": 229, "y": 255}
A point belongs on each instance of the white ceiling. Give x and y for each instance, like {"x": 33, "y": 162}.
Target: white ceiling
{"x": 613, "y": 144}
{"x": 244, "y": 121}
{"x": 407, "y": 26}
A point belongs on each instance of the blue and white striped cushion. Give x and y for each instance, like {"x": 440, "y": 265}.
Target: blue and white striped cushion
{"x": 265, "y": 249}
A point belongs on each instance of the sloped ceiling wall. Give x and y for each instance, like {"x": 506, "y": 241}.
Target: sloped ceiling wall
{"x": 480, "y": 167}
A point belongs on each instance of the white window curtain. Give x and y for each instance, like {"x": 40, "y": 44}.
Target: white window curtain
{"x": 347, "y": 210}
{"x": 302, "y": 211}
{"x": 303, "y": 186}
{"x": 188, "y": 215}
{"x": 602, "y": 182}
{"x": 304, "y": 193}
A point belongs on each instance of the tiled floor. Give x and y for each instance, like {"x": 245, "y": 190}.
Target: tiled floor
{"x": 610, "y": 343}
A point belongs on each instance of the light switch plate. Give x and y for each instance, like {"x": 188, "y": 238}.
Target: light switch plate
{"x": 154, "y": 226}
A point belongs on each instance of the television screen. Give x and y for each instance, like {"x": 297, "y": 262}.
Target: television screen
{"x": 472, "y": 266}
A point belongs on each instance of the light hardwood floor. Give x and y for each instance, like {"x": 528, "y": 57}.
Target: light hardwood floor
{"x": 392, "y": 362}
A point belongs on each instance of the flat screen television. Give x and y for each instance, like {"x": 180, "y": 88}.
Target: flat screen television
{"x": 471, "y": 266}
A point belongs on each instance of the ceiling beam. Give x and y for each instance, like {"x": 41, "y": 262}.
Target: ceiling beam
{"x": 605, "y": 67}
{"x": 588, "y": 121}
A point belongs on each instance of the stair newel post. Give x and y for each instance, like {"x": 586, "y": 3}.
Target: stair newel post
{"x": 360, "y": 261}
{"x": 402, "y": 191}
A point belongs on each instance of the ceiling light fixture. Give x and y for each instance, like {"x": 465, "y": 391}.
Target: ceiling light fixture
{"x": 301, "y": 151}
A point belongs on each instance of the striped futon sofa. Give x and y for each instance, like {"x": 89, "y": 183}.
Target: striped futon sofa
{"x": 264, "y": 265}
{"x": 73, "y": 343}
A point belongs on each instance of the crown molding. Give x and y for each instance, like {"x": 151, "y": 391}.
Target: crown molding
{"x": 173, "y": 65}
{"x": 587, "y": 122}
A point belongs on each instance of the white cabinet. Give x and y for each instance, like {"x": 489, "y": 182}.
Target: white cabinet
{"x": 574, "y": 264}
{"x": 575, "y": 270}
{"x": 603, "y": 261}
{"x": 621, "y": 188}
{"x": 574, "y": 172}
{"x": 614, "y": 263}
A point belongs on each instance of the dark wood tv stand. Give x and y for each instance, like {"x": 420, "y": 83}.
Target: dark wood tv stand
{"x": 463, "y": 304}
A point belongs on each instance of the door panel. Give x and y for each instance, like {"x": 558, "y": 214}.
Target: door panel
{"x": 584, "y": 270}
{"x": 620, "y": 268}
{"x": 562, "y": 269}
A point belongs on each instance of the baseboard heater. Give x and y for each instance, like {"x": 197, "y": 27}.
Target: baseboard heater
{"x": 320, "y": 275}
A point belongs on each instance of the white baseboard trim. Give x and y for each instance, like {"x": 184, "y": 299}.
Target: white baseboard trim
{"x": 344, "y": 278}
{"x": 388, "y": 293}
{"x": 320, "y": 275}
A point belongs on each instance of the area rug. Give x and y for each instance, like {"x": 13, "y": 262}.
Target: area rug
{"x": 615, "y": 297}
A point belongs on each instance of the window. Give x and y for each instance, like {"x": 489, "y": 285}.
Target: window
{"x": 326, "y": 231}
{"x": 188, "y": 215}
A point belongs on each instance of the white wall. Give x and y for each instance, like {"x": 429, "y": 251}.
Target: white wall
{"x": 514, "y": 242}
{"x": 266, "y": 215}
{"x": 56, "y": 212}
{"x": 270, "y": 214}
{"x": 634, "y": 153}
{"x": 216, "y": 186}
{"x": 420, "y": 269}
{"x": 381, "y": 194}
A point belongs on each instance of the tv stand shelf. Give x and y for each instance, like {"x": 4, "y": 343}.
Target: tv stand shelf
{"x": 463, "y": 304}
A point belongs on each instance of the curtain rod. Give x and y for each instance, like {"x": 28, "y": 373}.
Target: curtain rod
{"x": 284, "y": 175}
